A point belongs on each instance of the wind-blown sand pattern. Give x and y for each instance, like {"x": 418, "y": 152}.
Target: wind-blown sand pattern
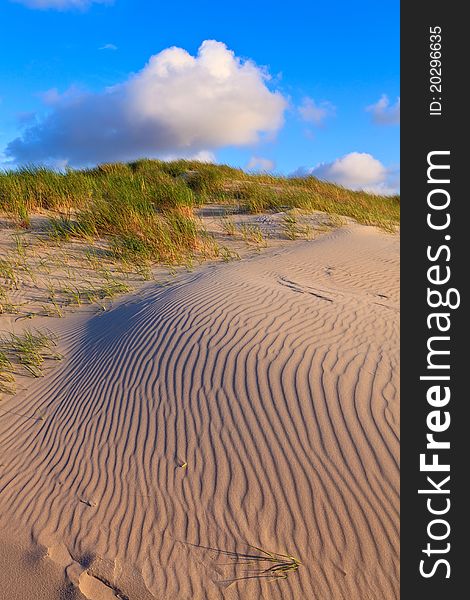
{"x": 275, "y": 379}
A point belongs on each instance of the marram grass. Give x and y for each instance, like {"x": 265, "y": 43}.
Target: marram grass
{"x": 146, "y": 206}
{"x": 28, "y": 350}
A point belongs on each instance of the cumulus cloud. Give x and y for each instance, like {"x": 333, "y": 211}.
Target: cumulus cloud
{"x": 384, "y": 113}
{"x": 357, "y": 171}
{"x": 315, "y": 113}
{"x": 259, "y": 163}
{"x": 177, "y": 104}
{"x": 60, "y": 4}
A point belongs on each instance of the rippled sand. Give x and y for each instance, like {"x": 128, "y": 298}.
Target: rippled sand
{"x": 249, "y": 403}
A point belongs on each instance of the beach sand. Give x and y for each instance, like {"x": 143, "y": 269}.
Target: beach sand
{"x": 252, "y": 403}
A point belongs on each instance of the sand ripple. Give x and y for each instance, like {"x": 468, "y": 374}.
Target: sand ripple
{"x": 275, "y": 379}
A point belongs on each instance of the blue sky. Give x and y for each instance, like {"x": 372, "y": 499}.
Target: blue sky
{"x": 330, "y": 105}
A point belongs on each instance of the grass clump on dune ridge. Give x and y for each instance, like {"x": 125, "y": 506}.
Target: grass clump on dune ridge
{"x": 262, "y": 193}
{"x": 145, "y": 217}
{"x": 146, "y": 206}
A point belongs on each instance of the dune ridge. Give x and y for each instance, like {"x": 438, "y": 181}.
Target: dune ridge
{"x": 249, "y": 403}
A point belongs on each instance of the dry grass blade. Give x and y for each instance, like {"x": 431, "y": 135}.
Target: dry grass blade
{"x": 279, "y": 566}
{"x": 6, "y": 377}
{"x": 283, "y": 563}
{"x": 8, "y": 274}
{"x": 253, "y": 234}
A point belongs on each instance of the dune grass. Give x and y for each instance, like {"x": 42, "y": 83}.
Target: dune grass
{"x": 146, "y": 206}
{"x": 24, "y": 353}
{"x": 281, "y": 564}
{"x": 252, "y": 234}
{"x": 262, "y": 564}
{"x": 264, "y": 193}
{"x": 8, "y": 273}
{"x": 28, "y": 350}
{"x": 6, "y": 376}
{"x": 293, "y": 229}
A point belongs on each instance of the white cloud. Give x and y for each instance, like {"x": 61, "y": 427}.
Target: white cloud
{"x": 357, "y": 171}
{"x": 383, "y": 113}
{"x": 108, "y": 47}
{"x": 315, "y": 113}
{"x": 203, "y": 156}
{"x": 258, "y": 163}
{"x": 61, "y": 4}
{"x": 177, "y": 104}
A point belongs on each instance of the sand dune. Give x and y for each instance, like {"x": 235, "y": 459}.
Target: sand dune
{"x": 248, "y": 403}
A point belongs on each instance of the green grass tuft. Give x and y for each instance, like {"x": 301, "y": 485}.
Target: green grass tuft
{"x": 134, "y": 202}
{"x": 30, "y": 350}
